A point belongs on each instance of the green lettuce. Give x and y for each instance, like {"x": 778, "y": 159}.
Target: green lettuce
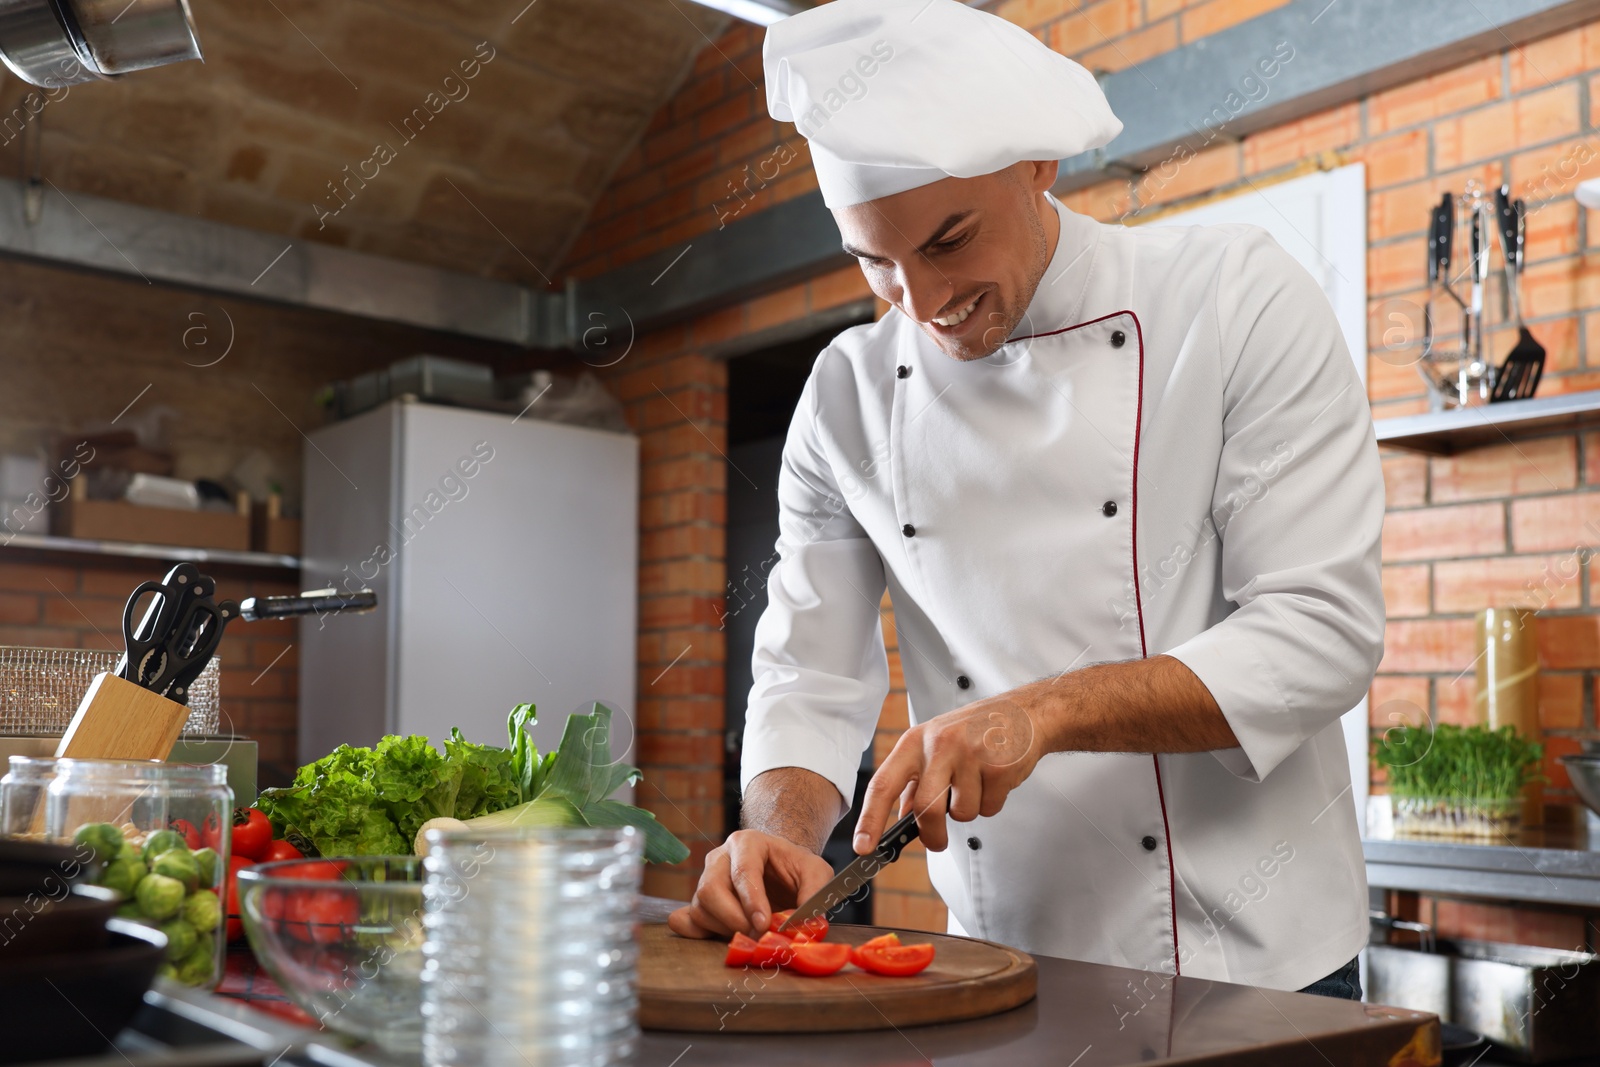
{"x": 488, "y": 777}
{"x": 573, "y": 787}
{"x": 372, "y": 801}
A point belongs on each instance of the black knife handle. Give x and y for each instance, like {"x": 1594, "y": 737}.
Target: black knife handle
{"x": 1439, "y": 237}
{"x": 1506, "y": 215}
{"x": 896, "y": 838}
{"x": 316, "y": 602}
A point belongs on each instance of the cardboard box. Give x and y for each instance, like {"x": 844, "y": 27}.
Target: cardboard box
{"x": 274, "y": 535}
{"x": 270, "y": 531}
{"x": 115, "y": 520}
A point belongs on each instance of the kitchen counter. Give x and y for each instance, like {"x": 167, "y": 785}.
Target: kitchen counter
{"x": 1558, "y": 864}
{"x": 1086, "y": 1015}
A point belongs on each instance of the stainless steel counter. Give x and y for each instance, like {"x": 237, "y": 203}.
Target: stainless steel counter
{"x": 1556, "y": 865}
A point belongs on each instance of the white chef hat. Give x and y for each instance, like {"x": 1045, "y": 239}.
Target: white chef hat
{"x": 895, "y": 94}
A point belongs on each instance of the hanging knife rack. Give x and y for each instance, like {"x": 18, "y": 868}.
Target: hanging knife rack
{"x": 1463, "y": 373}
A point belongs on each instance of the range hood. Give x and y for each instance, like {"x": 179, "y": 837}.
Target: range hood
{"x": 52, "y": 43}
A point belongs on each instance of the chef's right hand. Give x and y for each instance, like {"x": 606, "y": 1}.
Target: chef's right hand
{"x": 744, "y": 878}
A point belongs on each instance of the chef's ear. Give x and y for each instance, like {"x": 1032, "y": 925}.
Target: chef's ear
{"x": 1043, "y": 174}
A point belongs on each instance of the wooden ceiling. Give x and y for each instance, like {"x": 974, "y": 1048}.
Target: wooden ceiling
{"x": 474, "y": 136}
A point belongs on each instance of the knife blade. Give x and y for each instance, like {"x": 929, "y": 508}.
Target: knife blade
{"x": 853, "y": 876}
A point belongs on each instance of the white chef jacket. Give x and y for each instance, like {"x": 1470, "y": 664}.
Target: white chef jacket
{"x": 1178, "y": 404}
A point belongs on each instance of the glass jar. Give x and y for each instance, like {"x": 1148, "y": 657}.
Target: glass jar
{"x": 160, "y": 833}
{"x": 534, "y": 929}
{"x": 22, "y": 796}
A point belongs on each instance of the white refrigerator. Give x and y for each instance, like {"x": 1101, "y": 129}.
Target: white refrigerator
{"x": 504, "y": 554}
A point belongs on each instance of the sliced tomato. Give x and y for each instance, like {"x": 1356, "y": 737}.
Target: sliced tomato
{"x": 740, "y": 949}
{"x": 772, "y": 948}
{"x": 813, "y": 929}
{"x": 881, "y": 941}
{"x": 892, "y": 961}
{"x": 817, "y": 958}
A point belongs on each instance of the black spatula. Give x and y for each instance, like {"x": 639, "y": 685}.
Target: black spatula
{"x": 1524, "y": 366}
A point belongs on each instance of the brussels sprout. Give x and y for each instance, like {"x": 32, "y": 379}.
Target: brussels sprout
{"x": 168, "y": 970}
{"x": 181, "y": 938}
{"x": 129, "y": 910}
{"x": 159, "y": 896}
{"x": 179, "y": 865}
{"x": 206, "y": 859}
{"x": 196, "y": 968}
{"x": 203, "y": 910}
{"x": 163, "y": 841}
{"x": 102, "y": 838}
{"x": 123, "y": 874}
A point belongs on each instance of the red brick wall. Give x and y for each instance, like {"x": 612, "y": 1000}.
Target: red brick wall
{"x": 80, "y": 347}
{"x": 676, "y": 399}
{"x": 53, "y": 600}
{"x": 1463, "y": 532}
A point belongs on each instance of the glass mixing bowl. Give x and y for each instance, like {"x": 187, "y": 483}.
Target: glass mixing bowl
{"x": 343, "y": 937}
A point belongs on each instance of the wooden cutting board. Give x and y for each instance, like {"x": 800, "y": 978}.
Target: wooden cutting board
{"x": 684, "y": 985}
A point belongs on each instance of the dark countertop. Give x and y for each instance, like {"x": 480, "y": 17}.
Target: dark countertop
{"x": 1558, "y": 864}
{"x": 1086, "y": 1015}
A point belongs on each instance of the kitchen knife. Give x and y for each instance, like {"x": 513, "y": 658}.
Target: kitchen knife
{"x": 857, "y": 873}
{"x": 312, "y": 602}
{"x": 1439, "y": 242}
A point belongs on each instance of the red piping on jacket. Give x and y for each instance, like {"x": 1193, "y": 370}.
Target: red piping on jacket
{"x": 1138, "y": 600}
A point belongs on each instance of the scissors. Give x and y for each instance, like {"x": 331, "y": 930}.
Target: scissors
{"x": 180, "y": 631}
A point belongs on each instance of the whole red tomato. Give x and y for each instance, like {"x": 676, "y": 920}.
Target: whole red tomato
{"x": 252, "y": 833}
{"x": 191, "y": 836}
{"x": 235, "y": 924}
{"x": 211, "y": 833}
{"x": 281, "y": 850}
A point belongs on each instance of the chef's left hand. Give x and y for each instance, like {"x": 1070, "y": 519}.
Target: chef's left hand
{"x": 982, "y": 751}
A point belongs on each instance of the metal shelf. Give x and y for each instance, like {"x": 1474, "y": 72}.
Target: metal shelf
{"x": 132, "y": 550}
{"x": 1553, "y": 865}
{"x": 1444, "y": 433}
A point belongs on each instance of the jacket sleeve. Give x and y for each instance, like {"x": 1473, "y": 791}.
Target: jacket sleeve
{"x": 1299, "y": 510}
{"x": 819, "y": 665}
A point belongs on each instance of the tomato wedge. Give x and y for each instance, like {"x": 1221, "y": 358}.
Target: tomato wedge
{"x": 740, "y": 949}
{"x": 818, "y": 958}
{"x": 772, "y": 948}
{"x": 892, "y": 960}
{"x": 813, "y": 929}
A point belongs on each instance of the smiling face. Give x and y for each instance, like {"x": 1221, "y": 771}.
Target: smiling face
{"x": 961, "y": 256}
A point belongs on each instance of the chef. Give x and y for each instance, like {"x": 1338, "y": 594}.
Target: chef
{"x": 1122, "y": 488}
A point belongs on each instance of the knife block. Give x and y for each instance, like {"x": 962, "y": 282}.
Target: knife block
{"x": 120, "y": 720}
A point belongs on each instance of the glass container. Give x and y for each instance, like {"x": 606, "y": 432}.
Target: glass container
{"x": 22, "y": 796}
{"x": 160, "y": 833}
{"x": 534, "y": 930}
{"x": 1484, "y": 817}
